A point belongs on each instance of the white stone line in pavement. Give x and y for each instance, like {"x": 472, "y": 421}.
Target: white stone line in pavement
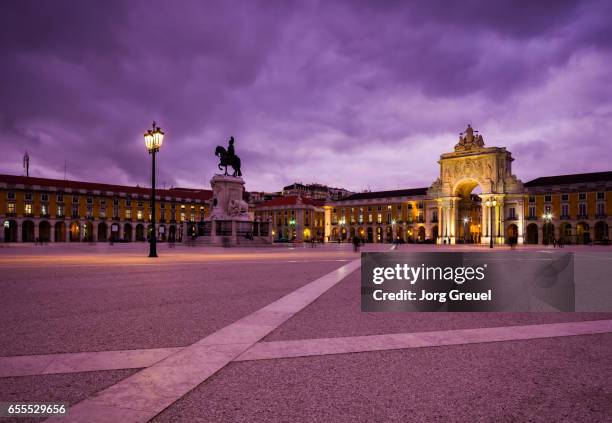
{"x": 30, "y": 365}
{"x": 354, "y": 344}
{"x": 146, "y": 393}
{"x": 135, "y": 359}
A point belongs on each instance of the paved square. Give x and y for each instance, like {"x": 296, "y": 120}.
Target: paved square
{"x": 276, "y": 334}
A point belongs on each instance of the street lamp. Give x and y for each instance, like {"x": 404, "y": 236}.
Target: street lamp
{"x": 342, "y": 222}
{"x": 292, "y": 224}
{"x": 491, "y": 204}
{"x": 547, "y": 218}
{"x": 153, "y": 141}
{"x": 465, "y": 227}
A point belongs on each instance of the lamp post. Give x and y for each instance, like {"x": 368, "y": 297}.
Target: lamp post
{"x": 547, "y": 218}
{"x": 153, "y": 141}
{"x": 292, "y": 225}
{"x": 465, "y": 227}
{"x": 342, "y": 223}
{"x": 491, "y": 204}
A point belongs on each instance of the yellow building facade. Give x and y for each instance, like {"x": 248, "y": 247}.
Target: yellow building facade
{"x": 293, "y": 218}
{"x": 382, "y": 216}
{"x": 573, "y": 208}
{"x": 51, "y": 210}
{"x": 406, "y": 216}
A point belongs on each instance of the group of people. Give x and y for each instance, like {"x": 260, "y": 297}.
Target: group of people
{"x": 555, "y": 242}
{"x": 314, "y": 241}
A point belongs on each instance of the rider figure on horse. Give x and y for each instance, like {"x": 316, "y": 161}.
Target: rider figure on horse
{"x": 230, "y": 150}
{"x": 228, "y": 158}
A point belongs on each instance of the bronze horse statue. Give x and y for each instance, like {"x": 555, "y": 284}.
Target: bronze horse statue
{"x": 226, "y": 159}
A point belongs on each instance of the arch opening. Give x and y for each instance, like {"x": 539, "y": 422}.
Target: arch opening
{"x": 10, "y": 231}
{"x": 468, "y": 225}
{"x": 532, "y": 233}
{"x": 583, "y": 233}
{"x": 44, "y": 231}
{"x": 601, "y": 232}
{"x": 27, "y": 231}
{"x": 60, "y": 232}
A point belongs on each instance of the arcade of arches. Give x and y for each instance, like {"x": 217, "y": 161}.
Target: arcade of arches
{"x": 45, "y": 231}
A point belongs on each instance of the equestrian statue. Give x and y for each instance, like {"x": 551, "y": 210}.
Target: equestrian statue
{"x": 228, "y": 158}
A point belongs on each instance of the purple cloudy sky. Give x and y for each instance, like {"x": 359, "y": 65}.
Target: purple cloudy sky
{"x": 355, "y": 94}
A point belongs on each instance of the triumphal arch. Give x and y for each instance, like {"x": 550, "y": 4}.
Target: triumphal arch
{"x": 477, "y": 196}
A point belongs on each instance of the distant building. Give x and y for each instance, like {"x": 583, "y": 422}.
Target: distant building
{"x": 257, "y": 197}
{"x": 315, "y": 191}
{"x": 381, "y": 216}
{"x": 293, "y": 218}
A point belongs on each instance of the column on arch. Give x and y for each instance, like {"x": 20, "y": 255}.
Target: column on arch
{"x": 499, "y": 225}
{"x": 493, "y": 221}
{"x": 454, "y": 214}
{"x": 299, "y": 229}
{"x": 484, "y": 222}
{"x": 521, "y": 220}
{"x": 440, "y": 223}
{"x": 444, "y": 219}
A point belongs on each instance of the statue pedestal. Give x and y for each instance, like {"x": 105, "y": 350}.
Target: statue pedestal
{"x": 229, "y": 220}
{"x": 227, "y": 202}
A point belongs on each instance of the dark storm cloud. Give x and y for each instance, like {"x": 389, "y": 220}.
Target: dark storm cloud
{"x": 344, "y": 93}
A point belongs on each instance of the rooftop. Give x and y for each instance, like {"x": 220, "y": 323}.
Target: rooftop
{"x": 299, "y": 185}
{"x": 191, "y": 193}
{"x": 387, "y": 194}
{"x": 291, "y": 200}
{"x": 577, "y": 178}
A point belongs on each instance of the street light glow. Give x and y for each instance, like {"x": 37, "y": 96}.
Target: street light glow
{"x": 154, "y": 138}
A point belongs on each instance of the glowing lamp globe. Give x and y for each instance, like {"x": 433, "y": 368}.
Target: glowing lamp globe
{"x": 154, "y": 138}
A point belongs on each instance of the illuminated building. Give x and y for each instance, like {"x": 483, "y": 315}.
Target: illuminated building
{"x": 53, "y": 210}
